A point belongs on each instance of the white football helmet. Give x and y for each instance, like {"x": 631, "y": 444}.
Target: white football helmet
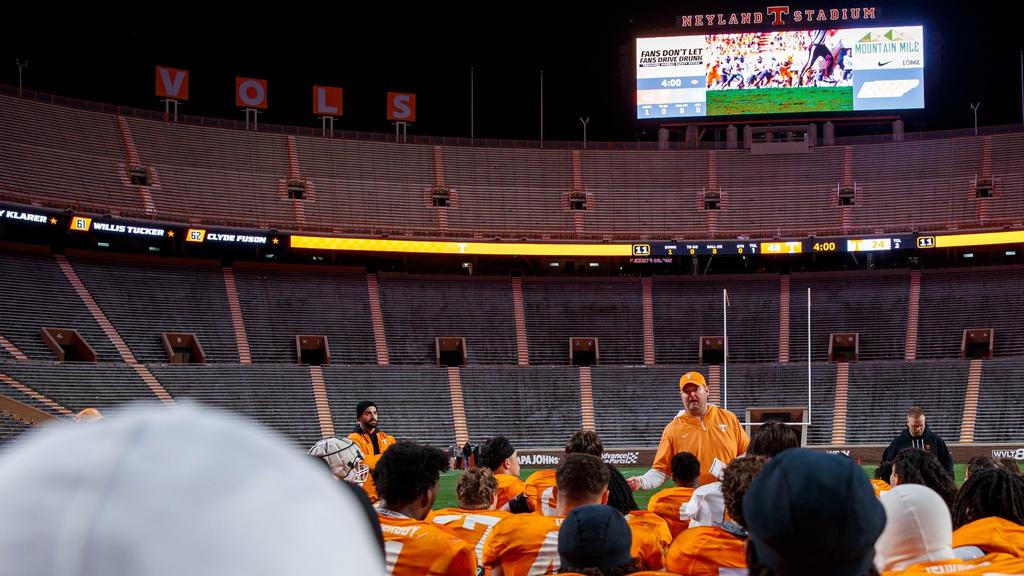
{"x": 344, "y": 458}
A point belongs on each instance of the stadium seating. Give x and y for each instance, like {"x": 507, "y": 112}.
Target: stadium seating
{"x": 536, "y": 407}
{"x": 35, "y": 295}
{"x": 1000, "y": 411}
{"x": 221, "y": 176}
{"x": 419, "y": 309}
{"x": 145, "y": 300}
{"x": 608, "y": 309}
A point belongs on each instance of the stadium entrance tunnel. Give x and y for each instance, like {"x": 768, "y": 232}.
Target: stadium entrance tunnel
{"x": 583, "y": 352}
{"x": 843, "y": 346}
{"x": 450, "y": 351}
{"x": 183, "y": 348}
{"x": 977, "y": 343}
{"x": 68, "y": 345}
{"x": 711, "y": 350}
{"x": 312, "y": 350}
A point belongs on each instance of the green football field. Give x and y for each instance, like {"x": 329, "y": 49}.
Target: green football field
{"x": 779, "y": 100}
{"x": 446, "y": 495}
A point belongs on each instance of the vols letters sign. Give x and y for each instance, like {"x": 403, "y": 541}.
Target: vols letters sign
{"x": 327, "y": 101}
{"x": 401, "y": 107}
{"x": 251, "y": 93}
{"x": 171, "y": 83}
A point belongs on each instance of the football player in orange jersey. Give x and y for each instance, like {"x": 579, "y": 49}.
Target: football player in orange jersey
{"x": 370, "y": 440}
{"x": 651, "y": 535}
{"x": 710, "y": 433}
{"x": 710, "y": 550}
{"x": 670, "y": 502}
{"x": 475, "y": 517}
{"x": 500, "y": 456}
{"x": 527, "y": 543}
{"x": 881, "y": 480}
{"x": 407, "y": 478}
{"x": 988, "y": 515}
{"x": 540, "y": 486}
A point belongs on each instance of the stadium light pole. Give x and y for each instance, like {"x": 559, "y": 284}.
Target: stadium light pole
{"x": 585, "y": 121}
{"x": 472, "y": 103}
{"x": 22, "y": 64}
{"x": 975, "y": 107}
{"x": 541, "y": 108}
{"x": 808, "y": 356}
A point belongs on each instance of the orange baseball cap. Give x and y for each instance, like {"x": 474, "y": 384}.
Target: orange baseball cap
{"x": 88, "y": 415}
{"x": 692, "y": 378}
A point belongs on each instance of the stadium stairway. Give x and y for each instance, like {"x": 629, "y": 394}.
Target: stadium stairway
{"x": 111, "y": 332}
{"x": 971, "y": 402}
{"x": 237, "y": 321}
{"x": 377, "y": 317}
{"x": 323, "y": 407}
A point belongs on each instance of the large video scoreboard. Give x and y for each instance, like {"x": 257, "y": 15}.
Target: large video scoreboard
{"x": 780, "y": 72}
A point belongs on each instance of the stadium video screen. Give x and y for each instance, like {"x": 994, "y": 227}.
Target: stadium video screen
{"x": 780, "y": 72}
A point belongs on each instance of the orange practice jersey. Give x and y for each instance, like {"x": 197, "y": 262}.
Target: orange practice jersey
{"x": 704, "y": 550}
{"x": 413, "y": 547}
{"x": 473, "y": 526}
{"x": 525, "y": 544}
{"x": 540, "y": 491}
{"x": 669, "y": 504}
{"x": 992, "y": 534}
{"x": 651, "y": 538}
{"x": 365, "y": 444}
{"x": 718, "y": 435}
{"x": 509, "y": 487}
{"x": 880, "y": 486}
{"x": 989, "y": 564}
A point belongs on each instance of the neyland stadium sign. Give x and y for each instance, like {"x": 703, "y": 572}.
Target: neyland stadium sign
{"x": 778, "y": 16}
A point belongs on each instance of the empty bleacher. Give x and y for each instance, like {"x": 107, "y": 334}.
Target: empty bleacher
{"x": 412, "y": 403}
{"x": 368, "y": 186}
{"x": 609, "y": 309}
{"x": 279, "y": 396}
{"x": 77, "y": 385}
{"x": 279, "y": 304}
{"x": 873, "y": 304}
{"x": 215, "y": 175}
{"x": 418, "y": 309}
{"x": 645, "y": 194}
{"x": 10, "y": 429}
{"x": 881, "y": 392}
{"x": 778, "y": 195}
{"x": 534, "y": 407}
{"x": 688, "y": 307}
{"x": 144, "y": 300}
{"x": 956, "y": 300}
{"x": 1000, "y": 410}
{"x": 509, "y": 193}
{"x": 35, "y": 295}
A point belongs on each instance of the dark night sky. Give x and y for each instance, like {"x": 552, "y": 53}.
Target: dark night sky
{"x": 973, "y": 54}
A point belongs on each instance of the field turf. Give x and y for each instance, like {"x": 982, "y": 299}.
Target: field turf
{"x": 779, "y": 100}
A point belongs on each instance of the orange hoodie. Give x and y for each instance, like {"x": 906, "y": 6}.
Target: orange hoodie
{"x": 702, "y": 551}
{"x": 992, "y": 534}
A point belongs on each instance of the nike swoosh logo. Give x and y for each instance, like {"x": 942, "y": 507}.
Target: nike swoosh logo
{"x": 885, "y": 63}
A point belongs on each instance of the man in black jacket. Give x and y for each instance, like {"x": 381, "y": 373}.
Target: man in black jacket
{"x": 918, "y": 435}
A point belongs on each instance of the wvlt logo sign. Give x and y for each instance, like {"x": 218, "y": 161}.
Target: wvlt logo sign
{"x": 539, "y": 460}
{"x": 839, "y": 452}
{"x": 1017, "y": 454}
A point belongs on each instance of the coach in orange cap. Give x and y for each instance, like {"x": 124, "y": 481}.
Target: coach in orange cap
{"x": 710, "y": 433}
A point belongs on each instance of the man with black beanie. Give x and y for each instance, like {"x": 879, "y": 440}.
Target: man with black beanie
{"x": 370, "y": 440}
